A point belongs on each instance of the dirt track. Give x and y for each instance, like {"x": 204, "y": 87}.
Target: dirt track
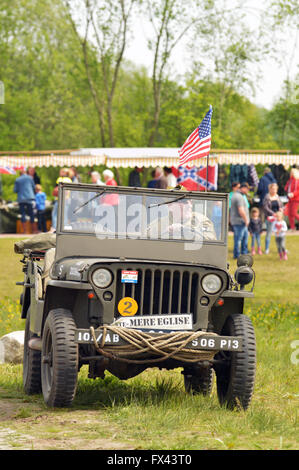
{"x": 54, "y": 430}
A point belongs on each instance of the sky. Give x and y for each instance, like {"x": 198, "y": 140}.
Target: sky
{"x": 269, "y": 87}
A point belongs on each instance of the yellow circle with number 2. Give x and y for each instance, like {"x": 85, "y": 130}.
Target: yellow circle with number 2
{"x": 127, "y": 306}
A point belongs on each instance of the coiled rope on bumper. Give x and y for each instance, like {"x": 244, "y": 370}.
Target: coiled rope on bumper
{"x": 142, "y": 344}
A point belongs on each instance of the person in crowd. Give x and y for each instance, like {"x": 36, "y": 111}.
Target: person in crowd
{"x": 73, "y": 174}
{"x": 134, "y": 177}
{"x": 110, "y": 199}
{"x": 292, "y": 190}
{"x": 263, "y": 187}
{"x": 62, "y": 178}
{"x": 255, "y": 230}
{"x": 40, "y": 201}
{"x": 239, "y": 218}
{"x": 109, "y": 179}
{"x": 171, "y": 179}
{"x": 25, "y": 189}
{"x": 161, "y": 180}
{"x": 235, "y": 187}
{"x": 280, "y": 229}
{"x": 153, "y": 181}
{"x": 96, "y": 178}
{"x": 271, "y": 205}
{"x": 31, "y": 172}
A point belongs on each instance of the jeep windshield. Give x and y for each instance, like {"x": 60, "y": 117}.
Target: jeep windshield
{"x": 110, "y": 213}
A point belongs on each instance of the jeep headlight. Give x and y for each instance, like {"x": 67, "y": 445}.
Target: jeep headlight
{"x": 101, "y": 278}
{"x": 244, "y": 275}
{"x": 211, "y": 283}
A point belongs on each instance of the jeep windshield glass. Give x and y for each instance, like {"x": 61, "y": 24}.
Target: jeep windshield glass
{"x": 168, "y": 202}
{"x": 113, "y": 214}
{"x": 87, "y": 202}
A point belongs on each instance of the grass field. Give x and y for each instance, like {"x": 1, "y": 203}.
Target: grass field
{"x": 152, "y": 411}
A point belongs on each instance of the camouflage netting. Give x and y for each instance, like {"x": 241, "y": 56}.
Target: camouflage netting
{"x": 40, "y": 242}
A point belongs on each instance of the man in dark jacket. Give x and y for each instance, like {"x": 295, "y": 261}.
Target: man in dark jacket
{"x": 263, "y": 187}
{"x": 134, "y": 177}
{"x": 25, "y": 189}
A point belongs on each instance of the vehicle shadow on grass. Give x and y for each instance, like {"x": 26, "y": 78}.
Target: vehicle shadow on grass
{"x": 111, "y": 391}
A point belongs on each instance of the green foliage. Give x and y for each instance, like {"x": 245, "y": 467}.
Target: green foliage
{"x": 47, "y": 102}
{"x": 283, "y": 119}
{"x": 272, "y": 314}
{"x": 10, "y": 313}
{"x": 49, "y": 105}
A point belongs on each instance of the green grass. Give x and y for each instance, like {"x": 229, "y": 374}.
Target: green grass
{"x": 152, "y": 410}
{"x": 276, "y": 281}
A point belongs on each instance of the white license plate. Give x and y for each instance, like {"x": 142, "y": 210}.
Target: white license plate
{"x": 205, "y": 342}
{"x": 178, "y": 322}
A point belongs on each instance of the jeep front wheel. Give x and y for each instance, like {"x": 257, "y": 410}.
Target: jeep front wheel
{"x": 235, "y": 371}
{"x": 59, "y": 369}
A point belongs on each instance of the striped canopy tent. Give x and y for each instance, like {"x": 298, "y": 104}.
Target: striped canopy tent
{"x": 140, "y": 157}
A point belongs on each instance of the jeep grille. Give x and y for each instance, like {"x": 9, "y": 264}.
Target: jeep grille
{"x": 163, "y": 290}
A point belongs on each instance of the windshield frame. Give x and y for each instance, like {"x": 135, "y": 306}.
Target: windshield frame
{"x": 176, "y": 194}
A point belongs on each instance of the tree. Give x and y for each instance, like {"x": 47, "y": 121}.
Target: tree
{"x": 285, "y": 18}
{"x": 230, "y": 51}
{"x": 105, "y": 28}
{"x": 46, "y": 104}
{"x": 283, "y": 119}
{"x": 170, "y": 22}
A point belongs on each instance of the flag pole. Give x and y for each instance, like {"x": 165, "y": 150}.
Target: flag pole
{"x": 207, "y": 170}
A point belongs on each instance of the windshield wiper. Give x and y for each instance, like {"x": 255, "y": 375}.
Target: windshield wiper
{"x": 89, "y": 200}
{"x": 167, "y": 202}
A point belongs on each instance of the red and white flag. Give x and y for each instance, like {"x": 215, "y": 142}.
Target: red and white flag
{"x": 7, "y": 170}
{"x": 198, "y": 143}
{"x": 195, "y": 178}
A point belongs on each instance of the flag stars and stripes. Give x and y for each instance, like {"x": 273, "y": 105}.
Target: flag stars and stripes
{"x": 198, "y": 143}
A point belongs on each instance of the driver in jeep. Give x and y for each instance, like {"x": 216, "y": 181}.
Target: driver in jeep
{"x": 183, "y": 222}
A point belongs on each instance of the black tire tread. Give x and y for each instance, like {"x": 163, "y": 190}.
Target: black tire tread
{"x": 65, "y": 359}
{"x": 31, "y": 364}
{"x": 243, "y": 365}
{"x": 200, "y": 383}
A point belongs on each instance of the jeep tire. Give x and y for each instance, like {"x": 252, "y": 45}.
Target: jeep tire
{"x": 199, "y": 383}
{"x": 31, "y": 363}
{"x": 59, "y": 369}
{"x": 235, "y": 371}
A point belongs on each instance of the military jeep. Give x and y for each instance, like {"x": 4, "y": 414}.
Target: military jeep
{"x": 137, "y": 278}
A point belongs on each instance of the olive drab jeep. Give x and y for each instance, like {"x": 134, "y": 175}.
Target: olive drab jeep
{"x": 137, "y": 278}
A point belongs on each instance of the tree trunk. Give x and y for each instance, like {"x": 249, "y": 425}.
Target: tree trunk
{"x": 98, "y": 105}
{"x": 110, "y": 123}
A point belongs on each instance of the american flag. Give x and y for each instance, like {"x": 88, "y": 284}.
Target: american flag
{"x": 198, "y": 143}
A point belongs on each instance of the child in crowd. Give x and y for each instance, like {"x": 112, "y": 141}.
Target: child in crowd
{"x": 280, "y": 228}
{"x": 40, "y": 200}
{"x": 255, "y": 229}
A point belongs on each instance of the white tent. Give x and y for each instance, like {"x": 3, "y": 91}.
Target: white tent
{"x": 141, "y": 157}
